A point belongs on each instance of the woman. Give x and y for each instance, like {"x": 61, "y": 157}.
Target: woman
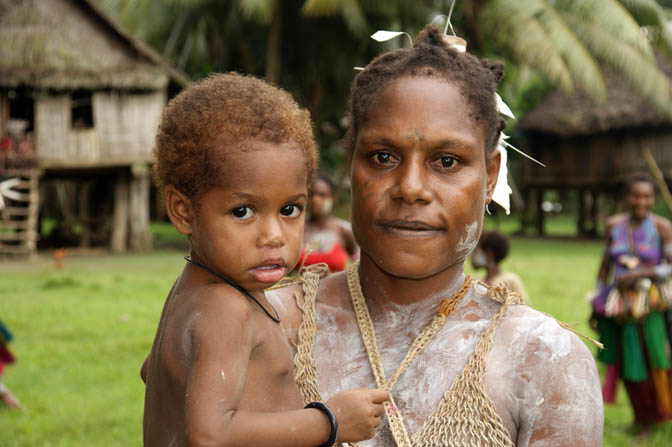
{"x": 465, "y": 364}
{"x": 328, "y": 238}
{"x": 631, "y": 305}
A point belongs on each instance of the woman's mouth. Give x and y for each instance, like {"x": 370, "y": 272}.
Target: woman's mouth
{"x": 269, "y": 272}
{"x": 411, "y": 229}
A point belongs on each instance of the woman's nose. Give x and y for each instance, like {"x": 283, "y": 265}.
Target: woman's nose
{"x": 412, "y": 186}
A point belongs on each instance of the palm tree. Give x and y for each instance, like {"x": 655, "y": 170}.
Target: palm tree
{"x": 569, "y": 41}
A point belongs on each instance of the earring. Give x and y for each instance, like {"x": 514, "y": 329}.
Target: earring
{"x": 487, "y": 209}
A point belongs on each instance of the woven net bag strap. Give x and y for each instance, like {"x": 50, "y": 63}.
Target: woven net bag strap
{"x": 429, "y": 332}
{"x": 305, "y": 369}
{"x": 394, "y": 418}
{"x": 466, "y": 417}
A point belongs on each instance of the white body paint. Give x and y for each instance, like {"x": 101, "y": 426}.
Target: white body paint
{"x": 541, "y": 378}
{"x": 468, "y": 242}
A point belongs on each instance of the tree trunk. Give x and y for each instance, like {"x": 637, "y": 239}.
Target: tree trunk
{"x": 472, "y": 34}
{"x": 274, "y": 47}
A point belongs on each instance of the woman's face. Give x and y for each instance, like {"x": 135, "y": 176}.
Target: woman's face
{"x": 640, "y": 199}
{"x": 419, "y": 179}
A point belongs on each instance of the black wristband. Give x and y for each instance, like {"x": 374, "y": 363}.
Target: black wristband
{"x": 332, "y": 421}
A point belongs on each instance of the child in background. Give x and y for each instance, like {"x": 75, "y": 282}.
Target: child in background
{"x": 235, "y": 156}
{"x": 492, "y": 249}
{"x": 6, "y": 358}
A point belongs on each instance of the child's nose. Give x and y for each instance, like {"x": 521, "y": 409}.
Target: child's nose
{"x": 271, "y": 235}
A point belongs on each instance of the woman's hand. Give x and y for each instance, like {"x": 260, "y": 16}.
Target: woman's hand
{"x": 628, "y": 280}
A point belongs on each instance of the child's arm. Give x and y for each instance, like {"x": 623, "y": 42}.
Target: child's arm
{"x": 223, "y": 339}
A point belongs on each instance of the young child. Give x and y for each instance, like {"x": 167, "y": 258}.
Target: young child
{"x": 234, "y": 158}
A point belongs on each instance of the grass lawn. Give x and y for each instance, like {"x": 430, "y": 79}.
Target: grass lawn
{"x": 82, "y": 332}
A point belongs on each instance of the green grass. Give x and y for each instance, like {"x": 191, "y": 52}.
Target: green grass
{"x": 82, "y": 333}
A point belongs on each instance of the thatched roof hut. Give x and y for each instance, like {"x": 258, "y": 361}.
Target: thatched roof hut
{"x": 93, "y": 95}
{"x": 73, "y": 44}
{"x": 592, "y": 146}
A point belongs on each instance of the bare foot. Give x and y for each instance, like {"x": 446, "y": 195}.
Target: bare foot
{"x": 10, "y": 400}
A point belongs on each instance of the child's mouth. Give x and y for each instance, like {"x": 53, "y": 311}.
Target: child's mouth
{"x": 269, "y": 272}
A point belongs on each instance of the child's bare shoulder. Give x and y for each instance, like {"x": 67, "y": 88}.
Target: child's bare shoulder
{"x": 198, "y": 314}
{"x": 220, "y": 305}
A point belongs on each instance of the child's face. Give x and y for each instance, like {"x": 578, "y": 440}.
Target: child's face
{"x": 419, "y": 179}
{"x": 250, "y": 228}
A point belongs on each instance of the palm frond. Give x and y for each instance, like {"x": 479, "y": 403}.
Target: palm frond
{"x": 580, "y": 63}
{"x": 526, "y": 37}
{"x": 354, "y": 17}
{"x": 651, "y": 15}
{"x": 645, "y": 12}
{"x": 321, "y": 8}
{"x": 641, "y": 74}
{"x": 259, "y": 10}
{"x": 612, "y": 17}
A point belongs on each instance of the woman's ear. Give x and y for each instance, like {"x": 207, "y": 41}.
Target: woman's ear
{"x": 179, "y": 208}
{"x": 492, "y": 162}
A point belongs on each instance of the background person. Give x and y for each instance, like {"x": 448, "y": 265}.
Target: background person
{"x": 6, "y": 358}
{"x": 329, "y": 237}
{"x": 492, "y": 249}
{"x": 633, "y": 301}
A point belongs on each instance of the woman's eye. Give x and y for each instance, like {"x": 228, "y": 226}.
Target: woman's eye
{"x": 243, "y": 212}
{"x": 448, "y": 162}
{"x": 382, "y": 158}
{"x": 291, "y": 211}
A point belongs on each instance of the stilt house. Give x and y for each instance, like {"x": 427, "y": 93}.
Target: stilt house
{"x": 92, "y": 95}
{"x": 591, "y": 148}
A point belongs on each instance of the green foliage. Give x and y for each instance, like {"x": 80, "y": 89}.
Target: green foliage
{"x": 570, "y": 42}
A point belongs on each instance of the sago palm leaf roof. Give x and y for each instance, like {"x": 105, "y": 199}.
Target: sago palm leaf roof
{"x": 579, "y": 114}
{"x": 73, "y": 44}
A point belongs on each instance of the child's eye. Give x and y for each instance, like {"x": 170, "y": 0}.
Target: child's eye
{"x": 243, "y": 212}
{"x": 291, "y": 211}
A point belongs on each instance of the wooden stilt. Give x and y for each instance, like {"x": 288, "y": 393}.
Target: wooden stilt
{"x": 140, "y": 236}
{"x": 118, "y": 240}
{"x": 594, "y": 211}
{"x": 84, "y": 220}
{"x": 540, "y": 213}
{"x": 581, "y": 217}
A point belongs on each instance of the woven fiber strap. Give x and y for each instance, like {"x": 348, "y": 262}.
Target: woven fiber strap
{"x": 395, "y": 419}
{"x": 305, "y": 369}
{"x": 466, "y": 417}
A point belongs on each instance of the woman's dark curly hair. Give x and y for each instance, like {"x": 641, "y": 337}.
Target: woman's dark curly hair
{"x": 219, "y": 114}
{"x": 430, "y": 56}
